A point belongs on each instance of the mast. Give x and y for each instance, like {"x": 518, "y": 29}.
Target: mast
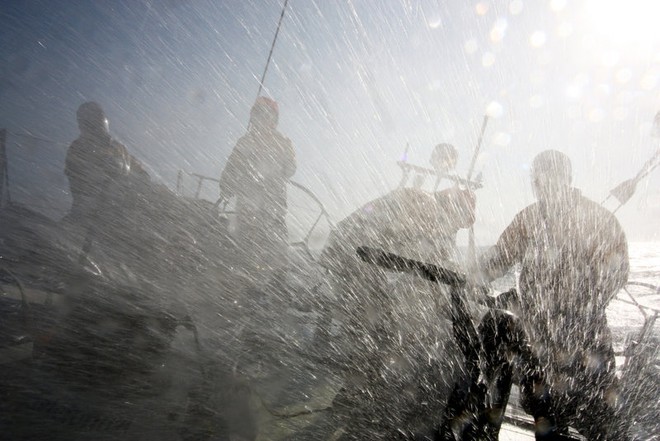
{"x": 272, "y": 47}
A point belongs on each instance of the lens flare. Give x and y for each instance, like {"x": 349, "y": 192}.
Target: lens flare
{"x": 632, "y": 21}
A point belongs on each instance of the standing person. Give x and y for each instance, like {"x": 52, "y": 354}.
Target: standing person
{"x": 256, "y": 173}
{"x": 95, "y": 161}
{"x": 574, "y": 259}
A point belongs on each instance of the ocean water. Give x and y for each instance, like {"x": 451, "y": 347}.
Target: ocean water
{"x": 645, "y": 262}
{"x": 640, "y": 301}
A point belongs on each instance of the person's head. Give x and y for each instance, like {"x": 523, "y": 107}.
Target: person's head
{"x": 264, "y": 114}
{"x": 443, "y": 158}
{"x": 92, "y": 119}
{"x": 551, "y": 175}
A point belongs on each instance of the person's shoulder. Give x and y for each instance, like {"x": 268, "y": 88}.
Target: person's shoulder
{"x": 600, "y": 217}
{"x": 591, "y": 206}
{"x": 445, "y": 193}
{"x": 118, "y": 145}
{"x": 77, "y": 150}
{"x": 526, "y": 218}
{"x": 281, "y": 138}
{"x": 244, "y": 141}
{"x": 245, "y": 137}
{"x": 530, "y": 211}
{"x": 76, "y": 144}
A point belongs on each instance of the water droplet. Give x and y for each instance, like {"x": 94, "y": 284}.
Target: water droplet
{"x": 649, "y": 81}
{"x": 435, "y": 23}
{"x": 564, "y": 29}
{"x": 536, "y": 101}
{"x": 494, "y": 109}
{"x": 537, "y": 39}
{"x": 488, "y": 59}
{"x": 557, "y": 5}
{"x": 623, "y": 75}
{"x": 596, "y": 115}
{"x": 471, "y": 46}
{"x": 498, "y": 31}
{"x": 501, "y": 139}
{"x": 482, "y": 8}
{"x": 515, "y": 7}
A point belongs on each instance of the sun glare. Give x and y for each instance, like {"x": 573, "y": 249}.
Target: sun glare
{"x": 629, "y": 21}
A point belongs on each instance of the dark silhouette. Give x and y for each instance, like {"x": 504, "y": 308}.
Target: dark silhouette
{"x": 94, "y": 162}
{"x": 574, "y": 259}
{"x": 256, "y": 173}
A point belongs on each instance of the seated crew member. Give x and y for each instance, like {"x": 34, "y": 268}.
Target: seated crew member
{"x": 415, "y": 224}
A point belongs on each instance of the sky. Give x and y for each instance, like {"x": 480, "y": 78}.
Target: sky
{"x": 356, "y": 81}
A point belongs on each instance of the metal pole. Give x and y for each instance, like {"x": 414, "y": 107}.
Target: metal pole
{"x": 404, "y": 170}
{"x": 472, "y": 251}
{"x": 477, "y": 148}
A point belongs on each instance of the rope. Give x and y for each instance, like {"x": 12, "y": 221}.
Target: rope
{"x": 272, "y": 47}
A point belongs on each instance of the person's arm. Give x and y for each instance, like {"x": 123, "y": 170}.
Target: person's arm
{"x": 78, "y": 159}
{"x": 127, "y": 164}
{"x": 458, "y": 206}
{"x": 71, "y": 162}
{"x": 508, "y": 250}
{"x": 288, "y": 159}
{"x": 138, "y": 170}
{"x": 79, "y": 168}
{"x": 611, "y": 261}
{"x": 233, "y": 170}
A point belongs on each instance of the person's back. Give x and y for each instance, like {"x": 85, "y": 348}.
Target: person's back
{"x": 573, "y": 258}
{"x": 267, "y": 166}
{"x": 398, "y": 329}
{"x": 575, "y": 261}
{"x": 257, "y": 173}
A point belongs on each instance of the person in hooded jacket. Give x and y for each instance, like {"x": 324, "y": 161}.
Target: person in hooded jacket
{"x": 257, "y": 173}
{"x": 94, "y": 162}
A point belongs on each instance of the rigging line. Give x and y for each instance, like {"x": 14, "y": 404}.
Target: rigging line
{"x": 272, "y": 47}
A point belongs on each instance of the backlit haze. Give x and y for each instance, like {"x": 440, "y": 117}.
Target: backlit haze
{"x": 355, "y": 81}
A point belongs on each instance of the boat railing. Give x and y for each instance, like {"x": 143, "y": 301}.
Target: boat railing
{"x": 635, "y": 345}
{"x": 200, "y": 181}
{"x": 416, "y": 171}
